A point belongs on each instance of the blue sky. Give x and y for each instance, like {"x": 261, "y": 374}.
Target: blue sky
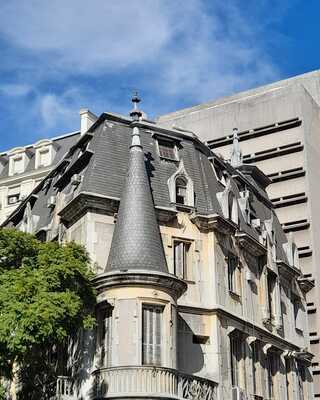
{"x": 58, "y": 56}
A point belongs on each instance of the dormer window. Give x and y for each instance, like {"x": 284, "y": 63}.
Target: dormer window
{"x": 181, "y": 190}
{"x": 181, "y": 187}
{"x": 17, "y": 167}
{"x": 17, "y": 161}
{"x": 45, "y": 153}
{"x": 167, "y": 150}
{"x": 44, "y": 158}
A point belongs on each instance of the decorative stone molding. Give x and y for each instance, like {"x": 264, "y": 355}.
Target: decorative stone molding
{"x": 244, "y": 205}
{"x": 305, "y": 284}
{"x": 213, "y": 222}
{"x": 228, "y": 203}
{"x": 181, "y": 173}
{"x": 141, "y": 381}
{"x": 250, "y": 244}
{"x": 164, "y": 281}
{"x": 291, "y": 251}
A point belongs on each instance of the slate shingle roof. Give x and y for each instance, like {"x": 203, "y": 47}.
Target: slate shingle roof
{"x": 136, "y": 242}
{"x": 104, "y": 173}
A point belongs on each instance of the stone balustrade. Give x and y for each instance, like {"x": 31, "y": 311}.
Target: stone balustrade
{"x": 151, "y": 381}
{"x": 64, "y": 389}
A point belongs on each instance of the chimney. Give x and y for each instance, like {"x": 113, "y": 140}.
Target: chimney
{"x": 87, "y": 119}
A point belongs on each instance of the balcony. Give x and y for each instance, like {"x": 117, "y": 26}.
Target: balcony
{"x": 64, "y": 389}
{"x": 151, "y": 382}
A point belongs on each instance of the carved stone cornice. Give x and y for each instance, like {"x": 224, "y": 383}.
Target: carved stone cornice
{"x": 286, "y": 271}
{"x": 84, "y": 202}
{"x": 250, "y": 244}
{"x": 213, "y": 222}
{"x": 165, "y": 281}
{"x": 306, "y": 284}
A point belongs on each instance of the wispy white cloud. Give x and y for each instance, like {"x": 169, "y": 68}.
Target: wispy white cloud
{"x": 15, "y": 89}
{"x": 193, "y": 49}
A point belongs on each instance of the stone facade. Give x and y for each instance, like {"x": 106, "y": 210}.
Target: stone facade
{"x": 279, "y": 132}
{"x": 221, "y": 316}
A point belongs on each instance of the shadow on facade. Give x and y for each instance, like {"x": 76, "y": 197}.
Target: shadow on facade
{"x": 190, "y": 353}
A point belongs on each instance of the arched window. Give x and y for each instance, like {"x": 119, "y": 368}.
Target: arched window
{"x": 181, "y": 190}
{"x": 181, "y": 187}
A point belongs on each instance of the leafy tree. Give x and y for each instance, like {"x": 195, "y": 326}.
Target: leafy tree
{"x": 45, "y": 297}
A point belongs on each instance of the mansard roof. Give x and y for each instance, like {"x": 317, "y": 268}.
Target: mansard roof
{"x": 62, "y": 145}
{"x": 100, "y": 159}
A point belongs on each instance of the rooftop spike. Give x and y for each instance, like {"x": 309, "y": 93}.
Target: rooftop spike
{"x": 135, "y": 113}
{"x": 136, "y": 242}
{"x": 236, "y": 155}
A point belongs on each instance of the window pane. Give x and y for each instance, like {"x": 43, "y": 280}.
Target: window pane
{"x": 179, "y": 259}
{"x": 106, "y": 337}
{"x": 151, "y": 335}
{"x": 167, "y": 149}
{"x": 18, "y": 165}
{"x": 44, "y": 158}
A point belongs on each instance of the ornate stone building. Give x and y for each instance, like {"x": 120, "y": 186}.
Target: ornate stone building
{"x": 279, "y": 127}
{"x": 200, "y": 293}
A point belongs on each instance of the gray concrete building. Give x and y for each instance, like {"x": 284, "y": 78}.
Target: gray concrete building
{"x": 279, "y": 132}
{"x": 200, "y": 292}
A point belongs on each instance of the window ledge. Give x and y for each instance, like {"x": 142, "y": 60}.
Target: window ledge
{"x": 184, "y": 207}
{"x": 175, "y": 160}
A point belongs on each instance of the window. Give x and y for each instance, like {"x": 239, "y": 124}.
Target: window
{"x": 272, "y": 370}
{"x": 181, "y": 191}
{"x": 181, "y": 187}
{"x": 301, "y": 377}
{"x": 13, "y": 195}
{"x": 44, "y": 158}
{"x": 298, "y": 315}
{"x": 151, "y": 334}
{"x": 167, "y": 149}
{"x": 235, "y": 358}
{"x": 182, "y": 262}
{"x": 233, "y": 274}
{"x": 288, "y": 377}
{"x": 17, "y": 165}
{"x": 106, "y": 336}
{"x": 271, "y": 294}
{"x": 256, "y": 370}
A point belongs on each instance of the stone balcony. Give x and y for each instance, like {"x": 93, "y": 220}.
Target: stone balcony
{"x": 64, "y": 389}
{"x": 140, "y": 382}
{"x": 151, "y": 382}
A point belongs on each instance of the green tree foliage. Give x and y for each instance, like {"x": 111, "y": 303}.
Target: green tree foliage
{"x": 45, "y": 296}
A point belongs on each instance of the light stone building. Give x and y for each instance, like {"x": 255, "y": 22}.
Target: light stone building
{"x": 279, "y": 131}
{"x": 200, "y": 293}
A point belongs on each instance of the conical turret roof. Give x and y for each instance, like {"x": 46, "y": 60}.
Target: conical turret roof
{"x": 136, "y": 242}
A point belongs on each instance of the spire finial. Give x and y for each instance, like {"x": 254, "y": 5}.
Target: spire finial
{"x": 236, "y": 155}
{"x": 135, "y": 113}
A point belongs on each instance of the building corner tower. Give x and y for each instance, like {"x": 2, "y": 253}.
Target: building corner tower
{"x": 137, "y": 297}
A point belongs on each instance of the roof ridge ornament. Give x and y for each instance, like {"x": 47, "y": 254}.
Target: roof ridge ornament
{"x": 236, "y": 155}
{"x": 135, "y": 113}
